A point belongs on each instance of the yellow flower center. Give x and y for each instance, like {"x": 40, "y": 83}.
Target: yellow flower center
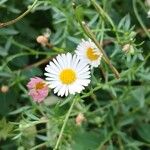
{"x": 91, "y": 54}
{"x": 40, "y": 85}
{"x": 67, "y": 76}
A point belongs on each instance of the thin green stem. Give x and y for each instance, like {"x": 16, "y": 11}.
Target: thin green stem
{"x": 120, "y": 143}
{"x": 24, "y": 54}
{"x": 19, "y": 17}
{"x": 103, "y": 13}
{"x": 18, "y": 44}
{"x": 65, "y": 122}
{"x": 102, "y": 33}
{"x": 139, "y": 18}
{"x": 105, "y": 140}
{"x": 38, "y": 146}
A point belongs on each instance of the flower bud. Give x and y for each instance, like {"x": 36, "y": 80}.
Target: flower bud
{"x": 128, "y": 48}
{"x": 79, "y": 119}
{"x": 41, "y": 39}
{"x": 4, "y": 88}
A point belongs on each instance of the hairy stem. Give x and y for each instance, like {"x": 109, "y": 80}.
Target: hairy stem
{"x": 139, "y": 18}
{"x": 65, "y": 122}
{"x": 5, "y": 24}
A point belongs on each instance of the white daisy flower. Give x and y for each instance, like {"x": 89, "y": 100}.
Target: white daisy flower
{"x": 67, "y": 74}
{"x": 88, "y": 51}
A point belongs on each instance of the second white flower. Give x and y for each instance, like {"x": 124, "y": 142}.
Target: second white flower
{"x": 88, "y": 52}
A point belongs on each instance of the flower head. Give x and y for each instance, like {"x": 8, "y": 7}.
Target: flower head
{"x": 67, "y": 74}
{"x": 38, "y": 89}
{"x": 88, "y": 51}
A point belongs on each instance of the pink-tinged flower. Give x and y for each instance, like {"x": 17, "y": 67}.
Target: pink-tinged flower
{"x": 38, "y": 89}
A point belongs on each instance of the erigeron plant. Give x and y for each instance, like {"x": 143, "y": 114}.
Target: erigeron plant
{"x": 90, "y": 84}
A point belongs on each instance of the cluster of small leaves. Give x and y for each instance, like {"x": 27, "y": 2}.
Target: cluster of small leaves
{"x": 116, "y": 110}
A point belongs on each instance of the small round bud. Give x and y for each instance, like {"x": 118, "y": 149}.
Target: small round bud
{"x": 43, "y": 40}
{"x": 128, "y": 48}
{"x": 4, "y": 88}
{"x": 79, "y": 119}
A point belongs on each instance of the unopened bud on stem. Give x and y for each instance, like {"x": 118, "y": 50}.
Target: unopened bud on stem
{"x": 43, "y": 40}
{"x": 79, "y": 119}
{"x": 4, "y": 88}
{"x": 128, "y": 48}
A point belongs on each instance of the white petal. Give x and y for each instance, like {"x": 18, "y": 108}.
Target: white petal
{"x": 71, "y": 89}
{"x": 75, "y": 61}
{"x": 54, "y": 84}
{"x": 83, "y": 82}
{"x": 84, "y": 76}
{"x": 69, "y": 59}
{"x": 57, "y": 64}
{"x": 50, "y": 75}
{"x": 50, "y": 79}
{"x": 67, "y": 91}
{"x": 53, "y": 67}
{"x": 57, "y": 89}
{"x": 62, "y": 91}
{"x": 50, "y": 70}
{"x": 61, "y": 61}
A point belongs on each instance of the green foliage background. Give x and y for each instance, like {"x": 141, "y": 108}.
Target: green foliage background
{"x": 117, "y": 111}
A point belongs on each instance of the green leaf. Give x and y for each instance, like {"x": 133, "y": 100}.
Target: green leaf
{"x": 19, "y": 110}
{"x": 124, "y": 23}
{"x": 7, "y": 100}
{"x": 8, "y": 44}
{"x": 8, "y": 31}
{"x": 139, "y": 95}
{"x": 52, "y": 132}
{"x": 28, "y": 134}
{"x": 5, "y": 129}
{"x": 143, "y": 131}
{"x": 84, "y": 140}
{"x": 4, "y": 50}
{"x": 20, "y": 61}
{"x": 140, "y": 56}
{"x": 3, "y": 1}
{"x": 28, "y": 73}
{"x": 5, "y": 74}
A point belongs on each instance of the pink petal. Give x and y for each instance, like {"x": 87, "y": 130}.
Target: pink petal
{"x": 38, "y": 95}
